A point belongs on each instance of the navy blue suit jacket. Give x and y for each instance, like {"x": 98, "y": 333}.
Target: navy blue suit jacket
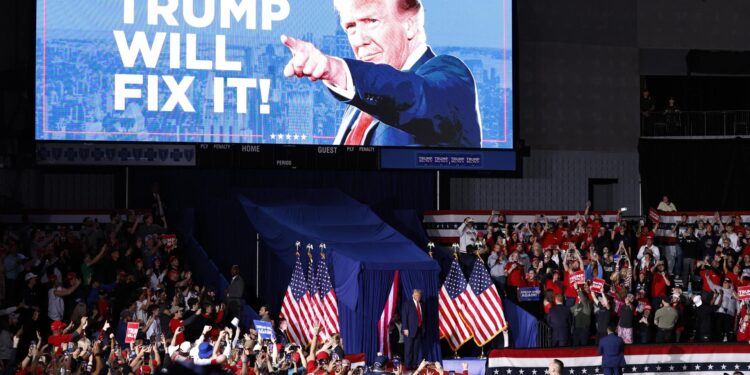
{"x": 409, "y": 317}
{"x": 433, "y": 104}
{"x": 612, "y": 349}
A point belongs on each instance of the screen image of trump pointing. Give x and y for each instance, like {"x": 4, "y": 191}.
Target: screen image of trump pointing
{"x": 398, "y": 92}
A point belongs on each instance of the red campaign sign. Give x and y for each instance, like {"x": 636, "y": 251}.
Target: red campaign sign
{"x": 131, "y": 332}
{"x": 578, "y": 277}
{"x": 743, "y": 293}
{"x": 597, "y": 286}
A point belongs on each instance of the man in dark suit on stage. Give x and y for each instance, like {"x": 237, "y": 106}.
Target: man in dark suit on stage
{"x": 398, "y": 91}
{"x": 612, "y": 350}
{"x": 235, "y": 293}
{"x": 412, "y": 323}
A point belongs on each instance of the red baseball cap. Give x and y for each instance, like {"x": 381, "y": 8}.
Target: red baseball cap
{"x": 57, "y": 325}
{"x": 322, "y": 355}
{"x": 71, "y": 275}
{"x": 173, "y": 273}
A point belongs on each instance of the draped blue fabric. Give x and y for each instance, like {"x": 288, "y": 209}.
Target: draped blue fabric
{"x": 359, "y": 325}
{"x": 204, "y": 269}
{"x": 363, "y": 252}
{"x": 524, "y": 327}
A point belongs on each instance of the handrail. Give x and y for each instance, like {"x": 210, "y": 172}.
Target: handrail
{"x": 695, "y": 123}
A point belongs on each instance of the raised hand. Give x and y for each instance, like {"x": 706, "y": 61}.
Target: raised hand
{"x": 308, "y": 61}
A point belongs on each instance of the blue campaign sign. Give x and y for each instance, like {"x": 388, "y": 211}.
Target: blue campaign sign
{"x": 265, "y": 330}
{"x": 530, "y": 294}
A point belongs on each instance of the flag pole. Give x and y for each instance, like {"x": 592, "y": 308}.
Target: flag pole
{"x": 477, "y": 253}
{"x": 297, "y": 245}
{"x": 455, "y": 248}
{"x": 430, "y": 246}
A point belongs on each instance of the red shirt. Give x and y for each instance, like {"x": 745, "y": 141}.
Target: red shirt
{"x": 532, "y": 283}
{"x": 555, "y": 287}
{"x": 515, "y": 277}
{"x": 570, "y": 290}
{"x": 173, "y": 324}
{"x": 57, "y": 340}
{"x": 548, "y": 240}
{"x": 312, "y": 366}
{"x": 745, "y": 250}
{"x": 714, "y": 279}
{"x": 659, "y": 286}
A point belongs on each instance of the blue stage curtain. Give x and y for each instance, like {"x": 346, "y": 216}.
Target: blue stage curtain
{"x": 427, "y": 281}
{"x": 359, "y": 326}
{"x": 524, "y": 327}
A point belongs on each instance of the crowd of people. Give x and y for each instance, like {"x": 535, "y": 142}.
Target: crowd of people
{"x": 72, "y": 294}
{"x": 684, "y": 291}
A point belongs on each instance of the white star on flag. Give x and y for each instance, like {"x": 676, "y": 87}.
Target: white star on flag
{"x": 710, "y": 367}
{"x": 671, "y": 368}
{"x": 723, "y": 367}
{"x": 296, "y": 137}
{"x": 288, "y": 136}
{"x": 497, "y": 372}
{"x": 533, "y": 372}
{"x": 273, "y": 136}
{"x": 697, "y": 367}
{"x": 303, "y": 137}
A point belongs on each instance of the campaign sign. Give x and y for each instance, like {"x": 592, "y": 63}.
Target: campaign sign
{"x": 743, "y": 293}
{"x": 265, "y": 330}
{"x": 597, "y": 286}
{"x": 530, "y": 294}
{"x": 131, "y": 332}
{"x": 577, "y": 278}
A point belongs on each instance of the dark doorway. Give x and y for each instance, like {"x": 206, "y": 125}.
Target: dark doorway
{"x": 602, "y": 194}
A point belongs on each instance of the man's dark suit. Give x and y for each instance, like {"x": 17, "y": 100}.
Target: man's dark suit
{"x": 235, "y": 296}
{"x": 559, "y": 320}
{"x": 413, "y": 342}
{"x": 612, "y": 350}
{"x": 433, "y": 104}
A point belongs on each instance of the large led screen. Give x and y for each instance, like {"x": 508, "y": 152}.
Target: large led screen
{"x": 405, "y": 73}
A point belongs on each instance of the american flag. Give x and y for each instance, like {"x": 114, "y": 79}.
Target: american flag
{"x": 483, "y": 308}
{"x": 326, "y": 298}
{"x": 313, "y": 302}
{"x": 386, "y": 316}
{"x": 676, "y": 359}
{"x": 452, "y": 324}
{"x": 295, "y": 307}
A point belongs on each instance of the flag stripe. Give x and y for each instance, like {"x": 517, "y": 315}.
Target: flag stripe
{"x": 385, "y": 317}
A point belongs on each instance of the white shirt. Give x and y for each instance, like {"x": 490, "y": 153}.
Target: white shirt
{"x": 733, "y": 238}
{"x": 467, "y": 236}
{"x": 56, "y": 307}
